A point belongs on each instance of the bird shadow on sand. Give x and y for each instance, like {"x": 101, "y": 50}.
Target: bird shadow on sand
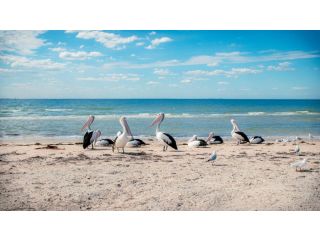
{"x": 308, "y": 170}
{"x": 134, "y": 153}
{"x": 220, "y": 165}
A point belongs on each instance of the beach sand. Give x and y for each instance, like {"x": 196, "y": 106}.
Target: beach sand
{"x": 244, "y": 177}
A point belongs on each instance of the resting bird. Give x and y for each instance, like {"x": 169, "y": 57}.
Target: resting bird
{"x": 195, "y": 142}
{"x": 215, "y": 139}
{"x": 105, "y": 142}
{"x": 299, "y": 164}
{"x": 241, "y": 137}
{"x": 256, "y": 140}
{"x": 134, "y": 142}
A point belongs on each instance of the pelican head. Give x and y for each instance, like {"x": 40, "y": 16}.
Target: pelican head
{"x": 124, "y": 124}
{"x": 234, "y": 124}
{"x": 194, "y": 137}
{"x": 211, "y": 135}
{"x": 88, "y": 122}
{"x": 159, "y": 118}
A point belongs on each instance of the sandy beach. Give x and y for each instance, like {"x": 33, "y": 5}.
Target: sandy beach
{"x": 244, "y": 177}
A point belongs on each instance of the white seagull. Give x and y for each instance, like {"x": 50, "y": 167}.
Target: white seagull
{"x": 123, "y": 138}
{"x": 90, "y": 137}
{"x": 297, "y": 150}
{"x": 164, "y": 138}
{"x": 213, "y": 157}
{"x": 299, "y": 164}
{"x": 237, "y": 134}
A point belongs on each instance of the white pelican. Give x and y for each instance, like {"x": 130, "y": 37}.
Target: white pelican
{"x": 123, "y": 138}
{"x": 213, "y": 157}
{"x": 90, "y": 137}
{"x": 215, "y": 139}
{"x": 297, "y": 150}
{"x": 256, "y": 140}
{"x": 237, "y": 134}
{"x": 134, "y": 142}
{"x": 164, "y": 138}
{"x": 299, "y": 164}
{"x": 195, "y": 142}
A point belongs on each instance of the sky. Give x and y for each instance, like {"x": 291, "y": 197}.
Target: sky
{"x": 160, "y": 64}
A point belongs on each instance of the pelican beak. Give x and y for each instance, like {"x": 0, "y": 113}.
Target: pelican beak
{"x": 88, "y": 123}
{"x": 209, "y": 137}
{"x": 156, "y": 120}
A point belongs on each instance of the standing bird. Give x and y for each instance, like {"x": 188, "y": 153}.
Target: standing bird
{"x": 122, "y": 138}
{"x": 164, "y": 138}
{"x": 297, "y": 150}
{"x": 215, "y": 139}
{"x": 299, "y": 164}
{"x": 256, "y": 140}
{"x": 90, "y": 137}
{"x": 237, "y": 134}
{"x": 213, "y": 157}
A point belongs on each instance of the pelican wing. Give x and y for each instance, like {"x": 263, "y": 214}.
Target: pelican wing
{"x": 242, "y": 134}
{"x": 168, "y": 139}
{"x": 86, "y": 139}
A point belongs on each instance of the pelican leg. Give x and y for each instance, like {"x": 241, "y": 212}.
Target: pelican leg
{"x": 163, "y": 149}
{"x": 122, "y": 150}
{"x": 92, "y": 146}
{"x": 166, "y": 148}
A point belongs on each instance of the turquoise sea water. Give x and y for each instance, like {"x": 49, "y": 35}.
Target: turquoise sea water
{"x": 184, "y": 117}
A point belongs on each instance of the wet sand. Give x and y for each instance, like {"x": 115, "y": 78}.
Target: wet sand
{"x": 244, "y": 177}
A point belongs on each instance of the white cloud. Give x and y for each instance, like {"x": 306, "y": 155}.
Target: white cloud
{"x": 223, "y": 83}
{"x": 81, "y": 55}
{"x": 17, "y": 61}
{"x": 161, "y": 71}
{"x": 299, "y": 88}
{"x": 113, "y": 77}
{"x": 140, "y": 43}
{"x": 186, "y": 81}
{"x": 152, "y": 33}
{"x": 109, "y": 40}
{"x": 234, "y": 72}
{"x": 22, "y": 42}
{"x": 57, "y": 49}
{"x": 157, "y": 41}
{"x": 81, "y": 46}
{"x": 152, "y": 83}
{"x": 284, "y": 66}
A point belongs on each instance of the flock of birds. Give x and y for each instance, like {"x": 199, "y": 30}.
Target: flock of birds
{"x": 125, "y": 138}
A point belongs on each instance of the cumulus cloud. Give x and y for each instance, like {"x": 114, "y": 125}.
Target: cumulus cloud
{"x": 18, "y": 61}
{"x": 234, "y": 72}
{"x": 113, "y": 77}
{"x": 81, "y": 55}
{"x": 161, "y": 71}
{"x": 57, "y": 49}
{"x": 152, "y": 33}
{"x": 109, "y": 40}
{"x": 284, "y": 66}
{"x": 152, "y": 83}
{"x": 157, "y": 41}
{"x": 22, "y": 42}
{"x": 186, "y": 81}
{"x": 140, "y": 43}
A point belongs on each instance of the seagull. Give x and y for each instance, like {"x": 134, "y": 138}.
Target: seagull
{"x": 297, "y": 150}
{"x": 213, "y": 157}
{"x": 299, "y": 164}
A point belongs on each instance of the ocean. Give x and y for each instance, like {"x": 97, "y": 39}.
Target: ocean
{"x": 43, "y": 118}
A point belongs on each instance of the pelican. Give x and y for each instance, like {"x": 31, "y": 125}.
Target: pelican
{"x": 215, "y": 139}
{"x": 299, "y": 164}
{"x": 256, "y": 140}
{"x": 164, "y": 138}
{"x": 195, "y": 142}
{"x": 134, "y": 142}
{"x": 213, "y": 157}
{"x": 123, "y": 138}
{"x": 90, "y": 137}
{"x": 297, "y": 150}
{"x": 105, "y": 142}
{"x": 237, "y": 134}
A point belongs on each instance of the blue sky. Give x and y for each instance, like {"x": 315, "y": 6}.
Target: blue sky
{"x": 160, "y": 64}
